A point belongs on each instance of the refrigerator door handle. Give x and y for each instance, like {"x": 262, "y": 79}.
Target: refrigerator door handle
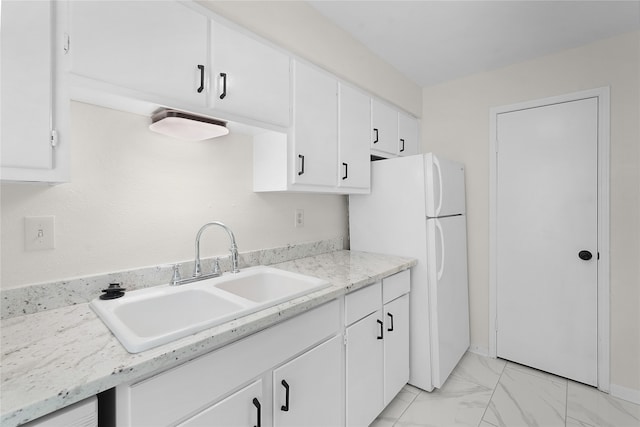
{"x": 436, "y": 164}
{"x": 441, "y": 268}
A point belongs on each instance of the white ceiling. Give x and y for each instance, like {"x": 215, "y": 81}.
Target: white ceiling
{"x": 434, "y": 41}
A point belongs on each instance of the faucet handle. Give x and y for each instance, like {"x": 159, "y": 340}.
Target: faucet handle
{"x": 176, "y": 274}
{"x": 216, "y": 267}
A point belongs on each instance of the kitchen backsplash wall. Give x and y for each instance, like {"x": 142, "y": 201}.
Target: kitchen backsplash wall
{"x": 49, "y": 296}
{"x": 138, "y": 198}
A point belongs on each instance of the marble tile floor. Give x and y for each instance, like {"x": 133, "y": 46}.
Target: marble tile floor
{"x": 485, "y": 392}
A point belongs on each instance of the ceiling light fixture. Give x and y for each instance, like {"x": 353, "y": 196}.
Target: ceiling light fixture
{"x": 186, "y": 126}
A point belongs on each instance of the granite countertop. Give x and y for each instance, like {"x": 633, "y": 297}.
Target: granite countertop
{"x": 55, "y": 358}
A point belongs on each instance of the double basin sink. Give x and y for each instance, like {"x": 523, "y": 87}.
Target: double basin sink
{"x": 146, "y": 318}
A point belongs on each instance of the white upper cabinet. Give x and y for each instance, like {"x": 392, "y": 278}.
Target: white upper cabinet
{"x": 315, "y": 127}
{"x": 327, "y": 147}
{"x": 354, "y": 134}
{"x": 26, "y": 84}
{"x": 249, "y": 78}
{"x": 408, "y": 134}
{"x": 152, "y": 47}
{"x": 31, "y": 118}
{"x": 384, "y": 119}
{"x": 394, "y": 132}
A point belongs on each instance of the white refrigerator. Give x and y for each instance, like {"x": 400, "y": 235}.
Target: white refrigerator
{"x": 417, "y": 209}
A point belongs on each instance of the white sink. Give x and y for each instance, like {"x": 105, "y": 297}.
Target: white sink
{"x": 146, "y": 318}
{"x": 269, "y": 285}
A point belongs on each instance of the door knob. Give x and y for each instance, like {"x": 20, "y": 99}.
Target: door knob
{"x": 585, "y": 255}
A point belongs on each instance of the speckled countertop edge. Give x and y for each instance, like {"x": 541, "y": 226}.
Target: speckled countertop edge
{"x": 55, "y": 358}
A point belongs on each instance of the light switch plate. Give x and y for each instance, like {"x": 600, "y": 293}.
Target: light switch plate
{"x": 39, "y": 232}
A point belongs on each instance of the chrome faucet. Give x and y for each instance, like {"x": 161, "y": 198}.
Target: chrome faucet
{"x": 197, "y": 271}
{"x": 197, "y": 268}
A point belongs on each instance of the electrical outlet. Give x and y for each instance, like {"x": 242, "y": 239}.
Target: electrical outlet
{"x": 39, "y": 233}
{"x": 299, "y": 218}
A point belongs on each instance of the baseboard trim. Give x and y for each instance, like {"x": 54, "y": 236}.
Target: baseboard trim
{"x": 482, "y": 351}
{"x": 625, "y": 393}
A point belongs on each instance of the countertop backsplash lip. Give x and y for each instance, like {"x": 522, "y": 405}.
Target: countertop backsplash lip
{"x": 40, "y": 297}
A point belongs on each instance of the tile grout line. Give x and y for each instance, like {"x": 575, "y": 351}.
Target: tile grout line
{"x": 491, "y": 398}
{"x": 405, "y": 409}
{"x": 566, "y": 404}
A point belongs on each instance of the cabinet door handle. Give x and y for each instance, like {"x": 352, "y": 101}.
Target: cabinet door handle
{"x": 224, "y": 85}
{"x": 285, "y": 407}
{"x": 201, "y": 68}
{"x": 391, "y": 317}
{"x": 301, "y": 171}
{"x": 376, "y": 138}
{"x": 256, "y": 402}
{"x": 381, "y": 323}
{"x": 346, "y": 170}
{"x": 402, "y": 141}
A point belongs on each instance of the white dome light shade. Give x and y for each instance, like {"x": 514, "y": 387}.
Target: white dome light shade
{"x": 187, "y": 126}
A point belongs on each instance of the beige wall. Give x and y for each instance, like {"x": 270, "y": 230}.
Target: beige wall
{"x": 137, "y": 199}
{"x": 456, "y": 124}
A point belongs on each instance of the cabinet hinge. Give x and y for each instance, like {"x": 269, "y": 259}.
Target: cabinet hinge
{"x": 344, "y": 339}
{"x": 497, "y": 145}
{"x": 54, "y": 138}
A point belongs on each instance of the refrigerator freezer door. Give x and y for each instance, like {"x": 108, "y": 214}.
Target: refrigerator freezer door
{"x": 449, "y": 295}
{"x": 444, "y": 186}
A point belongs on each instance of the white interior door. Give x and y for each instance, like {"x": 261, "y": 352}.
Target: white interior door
{"x": 547, "y": 166}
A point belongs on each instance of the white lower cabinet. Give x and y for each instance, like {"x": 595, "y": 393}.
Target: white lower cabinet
{"x": 307, "y": 390}
{"x": 365, "y": 362}
{"x": 219, "y": 388}
{"x": 243, "y": 408}
{"x": 377, "y": 353}
{"x": 81, "y": 414}
{"x": 300, "y": 372}
{"x": 396, "y": 347}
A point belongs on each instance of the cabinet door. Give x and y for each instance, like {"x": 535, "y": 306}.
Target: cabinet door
{"x": 251, "y": 78}
{"x": 81, "y": 414}
{"x": 26, "y": 84}
{"x": 408, "y": 135}
{"x": 385, "y": 128}
{"x": 396, "y": 347}
{"x": 354, "y": 136}
{"x": 307, "y": 390}
{"x": 365, "y": 370}
{"x": 315, "y": 127}
{"x": 241, "y": 409}
{"x": 148, "y": 46}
